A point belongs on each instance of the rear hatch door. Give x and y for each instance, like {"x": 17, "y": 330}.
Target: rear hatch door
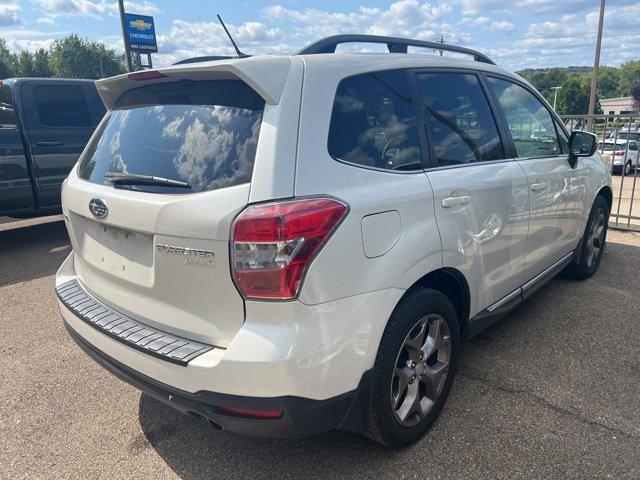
{"x": 151, "y": 203}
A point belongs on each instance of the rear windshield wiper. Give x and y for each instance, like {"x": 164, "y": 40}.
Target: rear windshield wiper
{"x": 118, "y": 178}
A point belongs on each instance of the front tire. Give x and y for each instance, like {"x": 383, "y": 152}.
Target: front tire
{"x": 414, "y": 368}
{"x": 593, "y": 241}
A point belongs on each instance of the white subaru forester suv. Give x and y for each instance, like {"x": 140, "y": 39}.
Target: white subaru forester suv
{"x": 285, "y": 245}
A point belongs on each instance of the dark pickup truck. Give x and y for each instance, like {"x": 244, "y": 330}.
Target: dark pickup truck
{"x": 45, "y": 124}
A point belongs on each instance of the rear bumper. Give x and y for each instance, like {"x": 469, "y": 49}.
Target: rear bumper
{"x": 301, "y": 416}
{"x": 283, "y": 348}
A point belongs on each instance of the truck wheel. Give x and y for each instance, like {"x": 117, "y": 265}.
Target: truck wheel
{"x": 593, "y": 241}
{"x": 414, "y": 368}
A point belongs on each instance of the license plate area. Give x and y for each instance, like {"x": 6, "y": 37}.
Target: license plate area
{"x": 121, "y": 253}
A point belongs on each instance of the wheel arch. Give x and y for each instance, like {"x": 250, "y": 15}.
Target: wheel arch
{"x": 607, "y": 193}
{"x": 451, "y": 283}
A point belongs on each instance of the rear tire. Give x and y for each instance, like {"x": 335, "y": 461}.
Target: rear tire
{"x": 414, "y": 368}
{"x": 587, "y": 258}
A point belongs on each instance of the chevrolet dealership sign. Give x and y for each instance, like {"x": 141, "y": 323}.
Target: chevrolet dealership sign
{"x": 140, "y": 33}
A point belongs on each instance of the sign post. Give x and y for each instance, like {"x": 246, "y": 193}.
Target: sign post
{"x": 127, "y": 55}
{"x": 139, "y": 37}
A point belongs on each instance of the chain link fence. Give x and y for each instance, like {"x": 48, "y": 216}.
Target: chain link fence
{"x": 619, "y": 145}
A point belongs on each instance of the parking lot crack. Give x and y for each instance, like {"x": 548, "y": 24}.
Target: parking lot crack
{"x": 512, "y": 390}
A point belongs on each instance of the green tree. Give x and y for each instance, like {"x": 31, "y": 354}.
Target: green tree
{"x": 74, "y": 57}
{"x": 7, "y": 61}
{"x": 629, "y": 78}
{"x": 41, "y": 67}
{"x": 608, "y": 81}
{"x": 24, "y": 65}
{"x": 573, "y": 98}
{"x": 545, "y": 79}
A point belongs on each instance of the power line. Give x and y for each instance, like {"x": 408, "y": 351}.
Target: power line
{"x": 550, "y": 35}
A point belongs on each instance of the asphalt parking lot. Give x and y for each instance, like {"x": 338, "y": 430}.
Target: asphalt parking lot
{"x": 553, "y": 391}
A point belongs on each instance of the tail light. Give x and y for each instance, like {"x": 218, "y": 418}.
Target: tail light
{"x": 274, "y": 243}
{"x": 618, "y": 153}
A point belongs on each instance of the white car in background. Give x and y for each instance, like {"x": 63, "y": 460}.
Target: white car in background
{"x": 285, "y": 245}
{"x": 620, "y": 155}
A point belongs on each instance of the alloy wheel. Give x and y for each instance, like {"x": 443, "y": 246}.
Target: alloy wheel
{"x": 595, "y": 239}
{"x": 420, "y": 370}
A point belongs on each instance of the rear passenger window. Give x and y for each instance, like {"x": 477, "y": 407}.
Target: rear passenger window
{"x": 62, "y": 106}
{"x": 458, "y": 119}
{"x": 373, "y": 122}
{"x": 530, "y": 123}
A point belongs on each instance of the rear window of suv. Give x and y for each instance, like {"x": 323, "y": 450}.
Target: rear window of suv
{"x": 373, "y": 122}
{"x": 203, "y": 133}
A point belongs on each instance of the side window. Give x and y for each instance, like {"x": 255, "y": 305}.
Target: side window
{"x": 5, "y": 95}
{"x": 562, "y": 137}
{"x": 458, "y": 119}
{"x": 373, "y": 122}
{"x": 62, "y": 106}
{"x": 633, "y": 146}
{"x": 530, "y": 123}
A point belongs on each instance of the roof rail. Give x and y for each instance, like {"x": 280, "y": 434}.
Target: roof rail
{"x": 202, "y": 59}
{"x": 394, "y": 44}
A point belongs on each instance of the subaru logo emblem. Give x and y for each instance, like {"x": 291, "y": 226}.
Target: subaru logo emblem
{"x": 98, "y": 208}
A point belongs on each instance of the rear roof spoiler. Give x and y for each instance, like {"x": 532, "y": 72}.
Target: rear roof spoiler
{"x": 394, "y": 45}
{"x": 266, "y": 75}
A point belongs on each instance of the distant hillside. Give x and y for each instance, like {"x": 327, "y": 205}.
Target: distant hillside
{"x": 580, "y": 70}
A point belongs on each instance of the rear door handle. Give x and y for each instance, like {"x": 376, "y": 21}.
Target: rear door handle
{"x": 536, "y": 187}
{"x": 449, "y": 202}
{"x": 49, "y": 143}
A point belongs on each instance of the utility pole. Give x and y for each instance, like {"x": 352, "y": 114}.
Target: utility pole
{"x": 440, "y": 40}
{"x": 127, "y": 55}
{"x": 555, "y": 95}
{"x": 596, "y": 69}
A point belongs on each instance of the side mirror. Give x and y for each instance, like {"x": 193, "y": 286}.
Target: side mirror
{"x": 581, "y": 144}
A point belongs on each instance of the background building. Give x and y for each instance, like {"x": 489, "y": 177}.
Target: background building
{"x": 616, "y": 106}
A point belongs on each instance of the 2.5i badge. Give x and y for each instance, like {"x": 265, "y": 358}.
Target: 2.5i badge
{"x": 194, "y": 257}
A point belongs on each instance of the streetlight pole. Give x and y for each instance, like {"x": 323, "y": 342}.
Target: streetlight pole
{"x": 596, "y": 68}
{"x": 555, "y": 95}
{"x": 127, "y": 55}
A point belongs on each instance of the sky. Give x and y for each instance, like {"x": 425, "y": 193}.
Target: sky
{"x": 515, "y": 33}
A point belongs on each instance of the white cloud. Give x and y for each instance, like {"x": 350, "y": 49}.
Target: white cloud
{"x": 186, "y": 39}
{"x": 9, "y": 13}
{"x": 402, "y": 18}
{"x": 523, "y": 7}
{"x": 484, "y": 22}
{"x": 22, "y": 39}
{"x": 517, "y": 33}
{"x": 571, "y": 40}
{"x": 54, "y": 9}
{"x": 502, "y": 26}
